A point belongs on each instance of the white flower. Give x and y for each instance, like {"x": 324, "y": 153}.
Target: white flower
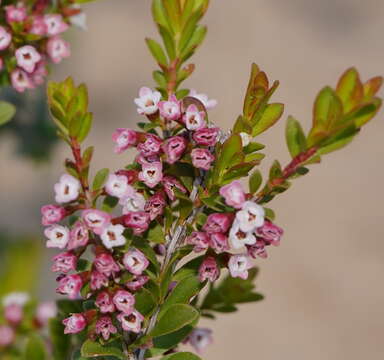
{"x": 117, "y": 185}
{"x": 67, "y": 189}
{"x": 245, "y": 138}
{"x": 58, "y": 236}
{"x": 193, "y": 118}
{"x": 133, "y": 202}
{"x": 239, "y": 238}
{"x": 147, "y": 101}
{"x": 250, "y": 217}
{"x": 208, "y": 104}
{"x": 112, "y": 236}
{"x": 239, "y": 265}
{"x": 27, "y": 57}
{"x": 15, "y": 298}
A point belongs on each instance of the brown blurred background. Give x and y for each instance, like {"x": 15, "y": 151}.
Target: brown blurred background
{"x": 323, "y": 286}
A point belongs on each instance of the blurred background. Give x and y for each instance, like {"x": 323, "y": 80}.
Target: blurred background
{"x": 323, "y": 286}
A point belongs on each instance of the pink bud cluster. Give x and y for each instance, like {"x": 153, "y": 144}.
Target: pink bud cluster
{"x": 16, "y": 320}
{"x": 30, "y": 37}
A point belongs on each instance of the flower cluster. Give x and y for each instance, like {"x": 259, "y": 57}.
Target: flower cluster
{"x": 19, "y": 316}
{"x": 31, "y": 37}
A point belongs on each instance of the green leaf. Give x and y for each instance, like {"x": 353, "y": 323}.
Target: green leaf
{"x": 255, "y": 181}
{"x": 145, "y": 303}
{"x": 181, "y": 356}
{"x": 100, "y": 179}
{"x": 35, "y": 348}
{"x": 109, "y": 203}
{"x": 184, "y": 291}
{"x": 157, "y": 52}
{"x": 231, "y": 146}
{"x": 269, "y": 117}
{"x": 7, "y": 112}
{"x": 295, "y": 137}
{"x": 60, "y": 343}
{"x": 350, "y": 89}
{"x": 95, "y": 349}
{"x": 156, "y": 234}
{"x": 175, "y": 318}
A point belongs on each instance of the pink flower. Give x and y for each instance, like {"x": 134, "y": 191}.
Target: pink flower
{"x": 257, "y": 250}
{"x": 58, "y": 236}
{"x": 135, "y": 261}
{"x": 96, "y": 220}
{"x": 233, "y": 194}
{"x": 133, "y": 201}
{"x": 38, "y": 76}
{"x": 250, "y": 217}
{"x": 239, "y": 238}
{"x": 147, "y": 101}
{"x": 208, "y": 104}
{"x": 46, "y": 311}
{"x": 112, "y": 236}
{"x": 200, "y": 338}
{"x": 79, "y": 236}
{"x": 218, "y": 223}
{"x": 7, "y": 336}
{"x": 27, "y": 57}
{"x": 58, "y": 49}
{"x": 155, "y": 206}
{"x": 209, "y": 270}
{"x": 138, "y": 221}
{"x": 199, "y": 239}
{"x": 38, "y": 26}
{"x": 5, "y": 38}
{"x": 64, "y": 262}
{"x": 74, "y": 324}
{"x": 98, "y": 280}
{"x": 270, "y": 233}
{"x": 52, "y": 214}
{"x": 105, "y": 328}
{"x": 171, "y": 109}
{"x": 174, "y": 148}
{"x": 117, "y": 185}
{"x": 137, "y": 282}
{"x": 193, "y": 118}
{"x": 105, "y": 264}
{"x": 67, "y": 189}
{"x": 150, "y": 146}
{"x": 21, "y": 81}
{"x": 104, "y": 303}
{"x": 124, "y": 301}
{"x": 170, "y": 183}
{"x": 239, "y": 265}
{"x": 131, "y": 321}
{"x": 131, "y": 175}
{"x": 55, "y": 24}
{"x": 124, "y": 139}
{"x": 218, "y": 242}
{"x": 70, "y": 285}
{"x": 14, "y": 314}
{"x": 151, "y": 174}
{"x": 202, "y": 158}
{"x": 206, "y": 136}
{"x": 16, "y": 13}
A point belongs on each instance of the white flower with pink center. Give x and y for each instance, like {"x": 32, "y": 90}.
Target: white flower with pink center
{"x": 239, "y": 265}
{"x": 250, "y": 217}
{"x": 55, "y": 24}
{"x": 27, "y": 57}
{"x": 112, "y": 236}
{"x": 74, "y": 324}
{"x": 16, "y": 13}
{"x": 200, "y": 339}
{"x": 131, "y": 322}
{"x": 147, "y": 101}
{"x": 193, "y": 118}
{"x": 117, "y": 185}
{"x": 124, "y": 301}
{"x": 133, "y": 202}
{"x": 170, "y": 109}
{"x": 135, "y": 262}
{"x": 233, "y": 194}
{"x": 58, "y": 236}
{"x": 239, "y": 238}
{"x": 67, "y": 189}
{"x": 96, "y": 220}
{"x": 123, "y": 138}
{"x": 5, "y": 38}
{"x": 70, "y": 285}
{"x": 21, "y": 81}
{"x": 208, "y": 103}
{"x": 58, "y": 49}
{"x": 151, "y": 173}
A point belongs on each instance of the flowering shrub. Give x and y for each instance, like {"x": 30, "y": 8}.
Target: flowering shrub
{"x": 139, "y": 244}
{"x": 23, "y": 325}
